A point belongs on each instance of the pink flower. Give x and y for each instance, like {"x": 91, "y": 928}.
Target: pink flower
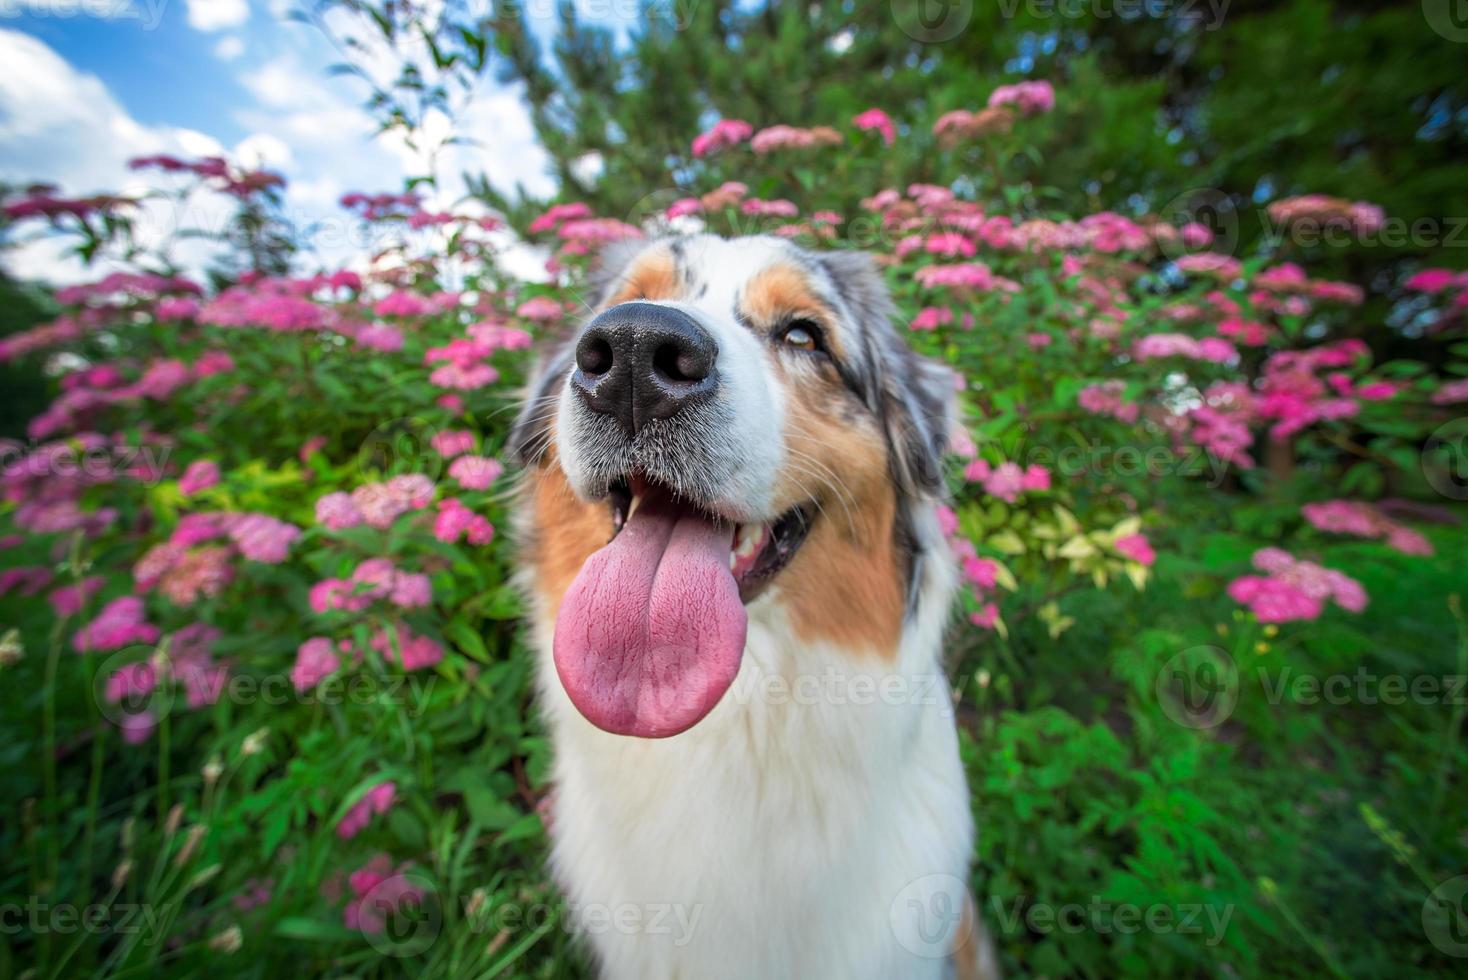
{"x": 452, "y": 442}
{"x": 1036, "y": 477}
{"x": 1029, "y": 98}
{"x": 931, "y": 318}
{"x": 131, "y": 683}
{"x": 382, "y": 503}
{"x": 1273, "y": 601}
{"x": 949, "y": 244}
{"x": 1451, "y": 393}
{"x": 454, "y": 521}
{"x": 121, "y": 623}
{"x": 947, "y": 520}
{"x": 559, "y": 214}
{"x": 377, "y": 800}
{"x": 137, "y": 727}
{"x": 682, "y": 207}
{"x": 197, "y": 572}
{"x": 1294, "y": 589}
{"x": 379, "y": 337}
{"x": 724, "y": 134}
{"x": 987, "y": 616}
{"x": 1107, "y": 398}
{"x": 260, "y": 537}
{"x": 1376, "y": 391}
{"x": 172, "y": 308}
{"x": 542, "y": 309}
{"x": 1137, "y": 548}
{"x": 27, "y": 580}
{"x": 337, "y": 511}
{"x": 1005, "y": 482}
{"x": 475, "y": 472}
{"x": 399, "y": 643}
{"x": 875, "y": 120}
{"x": 69, "y": 599}
{"x": 1436, "y": 280}
{"x": 982, "y": 572}
{"x": 401, "y": 303}
{"x": 316, "y": 659}
{"x": 201, "y": 475}
{"x": 377, "y": 889}
{"x": 1364, "y": 521}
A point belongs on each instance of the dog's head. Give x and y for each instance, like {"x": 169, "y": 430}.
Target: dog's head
{"x": 738, "y": 426}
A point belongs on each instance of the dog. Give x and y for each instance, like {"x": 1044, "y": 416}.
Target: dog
{"x": 739, "y": 584}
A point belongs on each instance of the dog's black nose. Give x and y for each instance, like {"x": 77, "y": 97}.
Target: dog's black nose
{"x": 642, "y": 361}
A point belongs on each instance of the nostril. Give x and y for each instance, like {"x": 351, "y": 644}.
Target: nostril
{"x": 677, "y": 362}
{"x": 594, "y": 355}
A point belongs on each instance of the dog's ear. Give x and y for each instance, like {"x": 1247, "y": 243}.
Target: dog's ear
{"x": 531, "y": 434}
{"x": 914, "y": 397}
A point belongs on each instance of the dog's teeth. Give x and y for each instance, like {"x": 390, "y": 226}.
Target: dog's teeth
{"x": 632, "y": 508}
{"x": 748, "y": 539}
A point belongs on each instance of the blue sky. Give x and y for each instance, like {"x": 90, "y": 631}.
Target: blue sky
{"x": 88, "y": 84}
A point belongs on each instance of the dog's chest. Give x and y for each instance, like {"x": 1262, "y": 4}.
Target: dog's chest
{"x": 774, "y": 839}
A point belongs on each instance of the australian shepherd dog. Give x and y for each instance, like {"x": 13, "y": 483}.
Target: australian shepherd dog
{"x": 740, "y": 588}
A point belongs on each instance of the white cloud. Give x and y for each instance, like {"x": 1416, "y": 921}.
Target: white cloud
{"x": 229, "y": 48}
{"x": 217, "y": 15}
{"x": 63, "y": 126}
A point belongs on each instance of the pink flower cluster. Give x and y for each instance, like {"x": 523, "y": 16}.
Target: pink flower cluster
{"x": 1159, "y": 345}
{"x": 1293, "y": 589}
{"x": 378, "y": 889}
{"x": 1364, "y": 521}
{"x": 475, "y": 472}
{"x": 378, "y": 800}
{"x": 1029, "y": 98}
{"x": 1007, "y": 480}
{"x": 1109, "y": 398}
{"x": 792, "y": 138}
{"x": 876, "y": 121}
{"x": 122, "y": 622}
{"x": 455, "y": 521}
{"x": 216, "y": 172}
{"x": 724, "y": 134}
{"x": 316, "y": 660}
{"x": 1135, "y": 547}
{"x": 461, "y": 364}
{"x": 414, "y": 652}
{"x": 375, "y": 504}
{"x": 1320, "y": 211}
{"x": 373, "y": 579}
{"x": 980, "y": 574}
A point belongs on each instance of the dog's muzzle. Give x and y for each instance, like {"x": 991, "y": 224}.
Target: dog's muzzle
{"x": 640, "y": 361}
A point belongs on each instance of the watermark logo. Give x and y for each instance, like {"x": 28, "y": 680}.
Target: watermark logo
{"x": 932, "y": 21}
{"x": 1114, "y": 918}
{"x": 1199, "y": 687}
{"x": 401, "y": 915}
{"x": 1444, "y": 917}
{"x": 1207, "y": 207}
{"x": 927, "y": 915}
{"x": 1445, "y": 459}
{"x": 401, "y": 446}
{"x": 1447, "y": 18}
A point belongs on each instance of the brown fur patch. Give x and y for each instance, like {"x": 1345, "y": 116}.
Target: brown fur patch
{"x": 973, "y": 952}
{"x": 782, "y": 292}
{"x": 566, "y": 531}
{"x": 652, "y": 276}
{"x": 846, "y": 584}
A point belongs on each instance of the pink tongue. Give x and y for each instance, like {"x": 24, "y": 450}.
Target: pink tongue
{"x": 650, "y": 634}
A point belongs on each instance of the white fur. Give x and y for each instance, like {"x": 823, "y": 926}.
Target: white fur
{"x": 801, "y": 832}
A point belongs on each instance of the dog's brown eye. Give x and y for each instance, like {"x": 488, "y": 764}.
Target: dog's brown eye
{"x": 802, "y": 334}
